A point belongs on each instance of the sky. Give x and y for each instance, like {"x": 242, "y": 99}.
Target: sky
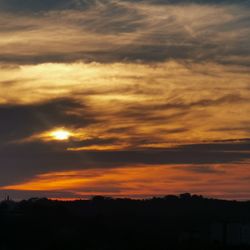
{"x": 124, "y": 98}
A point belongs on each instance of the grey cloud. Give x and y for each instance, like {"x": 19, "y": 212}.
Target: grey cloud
{"x": 94, "y": 142}
{"x": 40, "y": 5}
{"x": 132, "y": 29}
{"x": 22, "y": 161}
{"x": 45, "y": 5}
{"x": 21, "y": 121}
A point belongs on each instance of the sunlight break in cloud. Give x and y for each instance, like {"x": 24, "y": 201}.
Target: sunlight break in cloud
{"x": 110, "y": 85}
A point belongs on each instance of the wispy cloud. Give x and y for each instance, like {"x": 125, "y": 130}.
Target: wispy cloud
{"x": 111, "y": 31}
{"x": 136, "y": 83}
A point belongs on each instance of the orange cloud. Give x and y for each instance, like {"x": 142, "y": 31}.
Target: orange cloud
{"x": 216, "y": 180}
{"x": 161, "y": 104}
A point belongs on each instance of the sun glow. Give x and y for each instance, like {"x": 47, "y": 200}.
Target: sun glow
{"x": 61, "y": 134}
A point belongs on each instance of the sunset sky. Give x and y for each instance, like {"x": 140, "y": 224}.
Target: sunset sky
{"x": 124, "y": 98}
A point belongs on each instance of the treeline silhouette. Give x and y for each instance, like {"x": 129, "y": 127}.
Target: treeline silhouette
{"x": 103, "y": 223}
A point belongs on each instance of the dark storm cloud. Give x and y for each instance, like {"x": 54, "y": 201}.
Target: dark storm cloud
{"x": 197, "y": 153}
{"x": 22, "y": 161}
{"x": 95, "y": 141}
{"x": 233, "y": 146}
{"x": 21, "y": 121}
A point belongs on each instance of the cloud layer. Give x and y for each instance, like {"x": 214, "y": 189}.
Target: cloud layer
{"x": 159, "y": 87}
{"x": 114, "y": 31}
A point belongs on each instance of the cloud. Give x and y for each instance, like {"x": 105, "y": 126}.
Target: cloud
{"x": 125, "y": 106}
{"x": 39, "y": 5}
{"x": 203, "y": 169}
{"x": 149, "y": 83}
{"x": 21, "y": 121}
{"x": 139, "y": 181}
{"x": 22, "y": 161}
{"x": 129, "y": 31}
{"x": 46, "y": 5}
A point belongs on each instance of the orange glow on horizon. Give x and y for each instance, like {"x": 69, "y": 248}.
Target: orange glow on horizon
{"x": 140, "y": 181}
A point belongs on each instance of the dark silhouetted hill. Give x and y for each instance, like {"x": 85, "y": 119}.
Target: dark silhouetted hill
{"x": 102, "y": 223}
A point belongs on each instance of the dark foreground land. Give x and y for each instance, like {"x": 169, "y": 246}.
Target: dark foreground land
{"x": 183, "y": 222}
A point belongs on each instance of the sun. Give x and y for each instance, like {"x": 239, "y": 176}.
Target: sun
{"x": 60, "y": 134}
